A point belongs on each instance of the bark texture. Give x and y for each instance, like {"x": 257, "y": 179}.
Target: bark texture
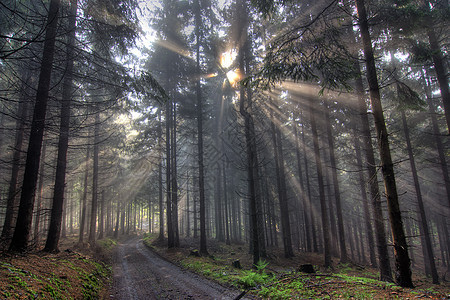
{"x": 402, "y": 261}
{"x": 425, "y": 232}
{"x": 21, "y": 235}
{"x": 54, "y": 230}
{"x": 320, "y": 175}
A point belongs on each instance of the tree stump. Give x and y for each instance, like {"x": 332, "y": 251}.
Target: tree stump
{"x": 237, "y": 264}
{"x": 307, "y": 268}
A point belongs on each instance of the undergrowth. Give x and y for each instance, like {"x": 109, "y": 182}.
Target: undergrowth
{"x": 107, "y": 243}
{"x": 345, "y": 281}
{"x": 66, "y": 275}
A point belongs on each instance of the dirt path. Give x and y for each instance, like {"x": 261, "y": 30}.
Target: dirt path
{"x": 141, "y": 274}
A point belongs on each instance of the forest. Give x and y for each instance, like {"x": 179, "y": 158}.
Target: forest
{"x": 307, "y": 126}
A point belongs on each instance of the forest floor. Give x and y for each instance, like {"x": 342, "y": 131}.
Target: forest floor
{"x": 73, "y": 273}
{"x": 87, "y": 273}
{"x": 280, "y": 278}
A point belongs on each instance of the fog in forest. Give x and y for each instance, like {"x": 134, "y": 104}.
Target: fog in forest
{"x": 299, "y": 126}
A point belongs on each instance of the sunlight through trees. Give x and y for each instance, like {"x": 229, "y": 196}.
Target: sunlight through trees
{"x": 291, "y": 126}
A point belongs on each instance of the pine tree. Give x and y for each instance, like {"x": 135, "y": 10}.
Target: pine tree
{"x": 402, "y": 261}
{"x": 21, "y": 235}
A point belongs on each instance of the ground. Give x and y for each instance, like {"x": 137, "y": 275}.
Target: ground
{"x": 73, "y": 273}
{"x": 280, "y": 278}
{"x": 79, "y": 273}
{"x": 139, "y": 273}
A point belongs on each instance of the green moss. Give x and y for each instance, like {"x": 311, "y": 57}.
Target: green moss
{"x": 344, "y": 268}
{"x": 92, "y": 282}
{"x": 107, "y": 243}
{"x": 6, "y": 295}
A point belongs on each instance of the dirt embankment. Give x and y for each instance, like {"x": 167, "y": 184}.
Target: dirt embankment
{"x": 69, "y": 274}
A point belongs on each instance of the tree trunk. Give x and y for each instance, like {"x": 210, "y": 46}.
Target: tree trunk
{"x": 234, "y": 215}
{"x": 361, "y": 243}
{"x": 257, "y": 178}
{"x": 101, "y": 227}
{"x": 365, "y": 204}
{"x": 128, "y": 217}
{"x": 176, "y": 237}
{"x": 84, "y": 198}
{"x": 329, "y": 200}
{"x": 2, "y": 126}
{"x": 21, "y": 235}
{"x": 438, "y": 63}
{"x": 116, "y": 230}
{"x": 151, "y": 215}
{"x": 134, "y": 215}
{"x": 303, "y": 195}
{"x": 282, "y": 194}
{"x": 251, "y": 186}
{"x": 351, "y": 242}
{"x": 225, "y": 198}
{"x": 323, "y": 206}
{"x": 402, "y": 261}
{"x": 252, "y": 165}
{"x": 310, "y": 211}
{"x": 63, "y": 143}
{"x": 94, "y": 204}
{"x": 380, "y": 233}
{"x": 40, "y": 196}
{"x": 200, "y": 150}
{"x": 160, "y": 180}
{"x": 188, "y": 207}
{"x": 337, "y": 192}
{"x": 71, "y": 208}
{"x": 109, "y": 217}
{"x": 356, "y": 239}
{"x": 22, "y": 112}
{"x": 64, "y": 221}
{"x": 170, "y": 237}
{"x": 443, "y": 163}
{"x": 444, "y": 240}
{"x": 422, "y": 217}
{"x": 195, "y": 227}
{"x": 272, "y": 214}
{"x": 218, "y": 207}
{"x": 439, "y": 145}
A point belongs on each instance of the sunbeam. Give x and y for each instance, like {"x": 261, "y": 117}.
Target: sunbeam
{"x": 174, "y": 47}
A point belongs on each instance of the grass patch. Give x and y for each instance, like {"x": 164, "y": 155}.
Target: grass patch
{"x": 107, "y": 243}
{"x": 210, "y": 268}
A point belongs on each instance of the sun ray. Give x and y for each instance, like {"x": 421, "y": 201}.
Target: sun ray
{"x": 281, "y": 121}
{"x": 174, "y": 47}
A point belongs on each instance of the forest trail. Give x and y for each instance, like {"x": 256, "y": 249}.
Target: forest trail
{"x": 141, "y": 274}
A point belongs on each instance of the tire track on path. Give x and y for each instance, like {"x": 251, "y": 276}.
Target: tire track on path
{"x": 139, "y": 273}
